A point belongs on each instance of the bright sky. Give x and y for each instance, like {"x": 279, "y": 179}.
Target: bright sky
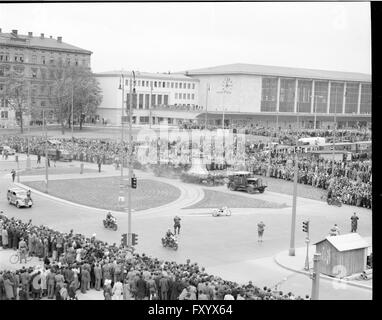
{"x": 161, "y": 37}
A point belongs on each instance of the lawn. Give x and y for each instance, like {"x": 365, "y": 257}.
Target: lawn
{"x": 103, "y": 192}
{"x": 284, "y": 186}
{"x": 54, "y": 170}
{"x": 218, "y": 199}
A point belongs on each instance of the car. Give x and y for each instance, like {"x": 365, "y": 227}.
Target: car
{"x": 19, "y": 197}
{"x": 10, "y": 150}
{"x": 244, "y": 180}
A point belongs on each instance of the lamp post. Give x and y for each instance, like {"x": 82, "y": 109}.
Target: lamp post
{"x": 121, "y": 197}
{"x": 72, "y": 117}
{"x": 28, "y": 164}
{"x": 294, "y": 204}
{"x": 132, "y": 93}
{"x": 46, "y": 152}
{"x": 206, "y": 114}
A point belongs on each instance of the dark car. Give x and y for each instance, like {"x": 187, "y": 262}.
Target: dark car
{"x": 244, "y": 180}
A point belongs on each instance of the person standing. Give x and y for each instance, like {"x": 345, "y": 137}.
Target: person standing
{"x": 13, "y": 173}
{"x": 98, "y": 277}
{"x": 354, "y": 222}
{"x": 176, "y": 224}
{"x": 260, "y": 231}
{"x": 334, "y": 231}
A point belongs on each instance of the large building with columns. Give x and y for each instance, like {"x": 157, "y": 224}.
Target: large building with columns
{"x": 267, "y": 95}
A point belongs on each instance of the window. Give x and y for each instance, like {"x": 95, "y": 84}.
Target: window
{"x": 43, "y": 60}
{"x": 76, "y": 62}
{"x": 159, "y": 99}
{"x": 172, "y": 85}
{"x": 365, "y": 99}
{"x": 165, "y": 99}
{"x": 287, "y": 93}
{"x": 51, "y": 60}
{"x": 140, "y": 103}
{"x": 176, "y": 95}
{"x": 351, "y": 97}
{"x": 188, "y": 85}
{"x": 21, "y": 58}
{"x": 336, "y": 97}
{"x": 34, "y": 72}
{"x": 304, "y": 91}
{"x": 192, "y": 96}
{"x": 147, "y": 100}
{"x": 139, "y": 83}
{"x": 126, "y": 82}
{"x": 184, "y": 96}
{"x": 320, "y": 96}
{"x": 4, "y": 114}
{"x": 180, "y": 85}
{"x": 188, "y": 96}
{"x": 167, "y": 84}
{"x": 151, "y": 84}
{"x": 193, "y": 86}
{"x": 164, "y": 84}
{"x": 153, "y": 101}
{"x": 176, "y": 85}
{"x": 269, "y": 94}
{"x": 134, "y": 101}
{"x": 155, "y": 84}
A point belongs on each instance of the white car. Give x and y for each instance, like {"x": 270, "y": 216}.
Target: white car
{"x": 19, "y": 197}
{"x": 10, "y": 151}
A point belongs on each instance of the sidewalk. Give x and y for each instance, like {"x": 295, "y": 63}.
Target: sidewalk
{"x": 297, "y": 263}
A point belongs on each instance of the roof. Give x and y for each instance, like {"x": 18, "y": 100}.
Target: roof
{"x": 248, "y": 69}
{"x": 45, "y": 43}
{"x": 140, "y": 75}
{"x": 346, "y": 242}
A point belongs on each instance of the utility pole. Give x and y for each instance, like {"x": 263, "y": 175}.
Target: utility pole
{"x": 28, "y": 165}
{"x": 132, "y": 93}
{"x": 307, "y": 241}
{"x": 294, "y": 204}
{"x": 121, "y": 197}
{"x": 46, "y": 153}
{"x": 151, "y": 102}
{"x": 206, "y": 114}
{"x": 72, "y": 110}
{"x": 316, "y": 277}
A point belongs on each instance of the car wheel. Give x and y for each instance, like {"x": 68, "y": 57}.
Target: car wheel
{"x": 232, "y": 187}
{"x": 250, "y": 190}
{"x": 261, "y": 190}
{"x": 17, "y": 205}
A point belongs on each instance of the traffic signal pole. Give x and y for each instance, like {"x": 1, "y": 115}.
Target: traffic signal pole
{"x": 307, "y": 240}
{"x": 293, "y": 225}
{"x": 316, "y": 277}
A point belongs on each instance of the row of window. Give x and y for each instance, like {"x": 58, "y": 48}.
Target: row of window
{"x": 161, "y": 84}
{"x": 4, "y": 114}
{"x": 185, "y": 96}
{"x": 142, "y": 101}
{"x": 305, "y": 95}
{"x": 5, "y": 57}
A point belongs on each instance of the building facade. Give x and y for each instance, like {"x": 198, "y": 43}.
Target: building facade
{"x": 271, "y": 94}
{"x": 159, "y": 98}
{"x": 237, "y": 93}
{"x": 33, "y": 56}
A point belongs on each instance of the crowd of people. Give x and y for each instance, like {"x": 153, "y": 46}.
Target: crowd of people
{"x": 350, "y": 181}
{"x": 73, "y": 262}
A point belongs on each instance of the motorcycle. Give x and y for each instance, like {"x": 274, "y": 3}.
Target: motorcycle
{"x": 334, "y": 202}
{"x": 173, "y": 243}
{"x": 110, "y": 225}
{"x": 221, "y": 212}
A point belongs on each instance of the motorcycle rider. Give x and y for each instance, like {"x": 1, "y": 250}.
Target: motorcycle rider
{"x": 169, "y": 237}
{"x": 110, "y": 219}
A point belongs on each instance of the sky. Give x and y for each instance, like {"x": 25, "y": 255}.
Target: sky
{"x": 162, "y": 37}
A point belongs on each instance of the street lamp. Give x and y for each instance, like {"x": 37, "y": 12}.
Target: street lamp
{"x": 294, "y": 204}
{"x": 121, "y": 197}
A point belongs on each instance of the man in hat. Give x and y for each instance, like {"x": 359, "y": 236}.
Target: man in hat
{"x": 354, "y": 222}
{"x": 260, "y": 230}
{"x": 23, "y": 250}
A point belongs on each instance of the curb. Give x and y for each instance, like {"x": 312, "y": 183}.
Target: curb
{"x": 350, "y": 283}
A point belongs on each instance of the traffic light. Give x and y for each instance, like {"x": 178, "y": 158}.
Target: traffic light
{"x": 134, "y": 183}
{"x": 124, "y": 239}
{"x": 305, "y": 226}
{"x": 134, "y": 238}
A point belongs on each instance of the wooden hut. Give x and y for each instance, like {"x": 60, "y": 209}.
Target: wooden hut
{"x": 342, "y": 255}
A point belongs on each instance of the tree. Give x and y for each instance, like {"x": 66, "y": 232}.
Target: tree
{"x": 77, "y": 85}
{"x": 16, "y": 93}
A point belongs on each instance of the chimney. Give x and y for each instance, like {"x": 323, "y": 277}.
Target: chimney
{"x": 14, "y": 32}
{"x": 30, "y": 34}
{"x": 42, "y": 36}
{"x": 59, "y": 39}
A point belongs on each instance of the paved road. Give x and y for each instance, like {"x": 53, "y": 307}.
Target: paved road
{"x": 226, "y": 246}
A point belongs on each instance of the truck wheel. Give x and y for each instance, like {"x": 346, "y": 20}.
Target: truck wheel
{"x": 232, "y": 187}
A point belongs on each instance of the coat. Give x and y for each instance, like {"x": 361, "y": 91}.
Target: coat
{"x": 141, "y": 289}
{"x": 8, "y": 286}
{"x": 4, "y": 236}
